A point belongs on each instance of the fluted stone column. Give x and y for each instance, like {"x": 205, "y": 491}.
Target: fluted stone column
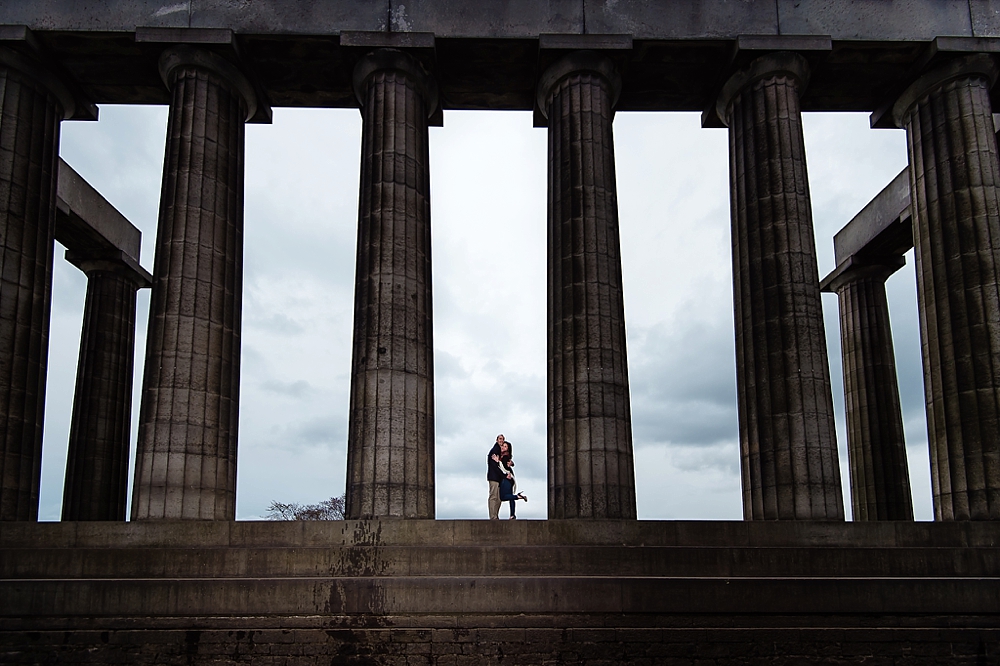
{"x": 787, "y": 439}
{"x": 880, "y": 479}
{"x": 186, "y": 457}
{"x": 32, "y": 104}
{"x": 97, "y": 462}
{"x": 591, "y": 468}
{"x": 390, "y": 446}
{"x": 954, "y": 180}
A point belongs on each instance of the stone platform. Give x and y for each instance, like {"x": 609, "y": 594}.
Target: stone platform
{"x": 525, "y": 592}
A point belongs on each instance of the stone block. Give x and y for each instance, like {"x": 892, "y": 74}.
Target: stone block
{"x": 489, "y": 18}
{"x": 869, "y": 19}
{"x": 705, "y": 19}
{"x": 291, "y": 16}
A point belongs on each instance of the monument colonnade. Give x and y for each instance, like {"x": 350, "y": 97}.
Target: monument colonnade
{"x": 105, "y": 246}
{"x": 186, "y": 460}
{"x": 954, "y": 212}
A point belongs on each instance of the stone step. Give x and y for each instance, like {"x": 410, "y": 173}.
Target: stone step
{"x": 494, "y": 560}
{"x": 251, "y": 534}
{"x": 462, "y": 595}
{"x": 388, "y": 591}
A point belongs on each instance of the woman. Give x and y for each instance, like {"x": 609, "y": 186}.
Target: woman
{"x": 507, "y": 483}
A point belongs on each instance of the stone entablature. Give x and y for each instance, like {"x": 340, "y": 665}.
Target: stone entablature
{"x": 296, "y": 50}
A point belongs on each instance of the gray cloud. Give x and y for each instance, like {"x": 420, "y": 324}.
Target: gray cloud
{"x": 277, "y": 323}
{"x": 683, "y": 383}
{"x": 329, "y": 429}
{"x": 295, "y": 389}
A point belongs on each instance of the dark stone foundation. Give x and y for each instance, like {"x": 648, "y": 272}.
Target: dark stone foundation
{"x": 528, "y": 592}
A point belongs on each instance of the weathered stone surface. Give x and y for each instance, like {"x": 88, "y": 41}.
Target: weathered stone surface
{"x": 915, "y": 20}
{"x": 487, "y": 52}
{"x": 226, "y": 536}
{"x": 787, "y": 439}
{"x": 186, "y": 457}
{"x": 382, "y": 591}
{"x": 880, "y": 480}
{"x": 97, "y": 461}
{"x": 29, "y": 149}
{"x": 679, "y": 19}
{"x": 390, "y": 446}
{"x": 954, "y": 181}
{"x": 590, "y": 465}
{"x": 446, "y": 646}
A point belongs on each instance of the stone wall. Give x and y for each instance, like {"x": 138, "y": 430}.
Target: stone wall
{"x": 459, "y": 647}
{"x": 522, "y": 592}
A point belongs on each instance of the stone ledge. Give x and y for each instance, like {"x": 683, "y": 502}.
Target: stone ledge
{"x": 226, "y": 534}
{"x": 706, "y": 647}
{"x": 376, "y": 597}
{"x": 504, "y": 561}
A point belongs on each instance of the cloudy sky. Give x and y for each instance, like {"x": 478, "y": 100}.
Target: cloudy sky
{"x": 488, "y": 211}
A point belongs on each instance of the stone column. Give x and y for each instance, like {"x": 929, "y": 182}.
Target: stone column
{"x": 591, "y": 469}
{"x": 954, "y": 179}
{"x": 32, "y": 104}
{"x": 390, "y": 446}
{"x": 97, "y": 464}
{"x": 788, "y": 443}
{"x": 186, "y": 457}
{"x": 880, "y": 478}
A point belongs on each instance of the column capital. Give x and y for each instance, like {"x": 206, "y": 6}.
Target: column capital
{"x": 973, "y": 66}
{"x": 39, "y": 72}
{"x": 184, "y": 55}
{"x": 577, "y": 61}
{"x": 111, "y": 262}
{"x": 854, "y": 269}
{"x": 400, "y": 61}
{"x": 772, "y": 64}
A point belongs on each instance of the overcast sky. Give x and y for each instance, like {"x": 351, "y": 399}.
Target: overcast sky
{"x": 488, "y": 208}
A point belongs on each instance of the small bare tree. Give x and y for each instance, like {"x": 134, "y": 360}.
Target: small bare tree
{"x": 331, "y": 509}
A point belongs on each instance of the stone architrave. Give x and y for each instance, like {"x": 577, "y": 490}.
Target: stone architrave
{"x": 876, "y": 447}
{"x": 788, "y": 443}
{"x": 590, "y": 461}
{"x": 390, "y": 447}
{"x": 954, "y": 181}
{"x": 188, "y": 421}
{"x": 32, "y": 104}
{"x": 97, "y": 462}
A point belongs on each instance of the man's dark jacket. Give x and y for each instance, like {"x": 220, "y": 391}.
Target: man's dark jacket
{"x": 493, "y": 472}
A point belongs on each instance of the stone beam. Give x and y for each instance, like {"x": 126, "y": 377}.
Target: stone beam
{"x": 881, "y": 228}
{"x": 88, "y": 225}
{"x": 512, "y": 19}
{"x": 487, "y": 52}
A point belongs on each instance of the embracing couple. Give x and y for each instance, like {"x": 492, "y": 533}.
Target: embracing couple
{"x": 500, "y": 474}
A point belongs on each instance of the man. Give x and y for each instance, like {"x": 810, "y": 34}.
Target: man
{"x": 494, "y": 475}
